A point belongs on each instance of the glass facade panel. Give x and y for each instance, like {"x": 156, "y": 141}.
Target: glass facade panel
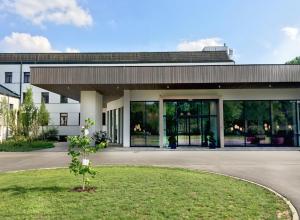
{"x": 234, "y": 124}
{"x": 152, "y": 123}
{"x": 260, "y": 123}
{"x": 144, "y": 123}
{"x": 257, "y": 123}
{"x": 284, "y": 120}
{"x": 190, "y": 122}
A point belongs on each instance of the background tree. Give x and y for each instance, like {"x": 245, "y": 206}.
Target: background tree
{"x": 14, "y": 123}
{"x": 28, "y": 112}
{"x": 4, "y": 112}
{"x": 43, "y": 117}
{"x": 294, "y": 61}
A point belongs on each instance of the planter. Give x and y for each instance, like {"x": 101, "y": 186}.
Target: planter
{"x": 172, "y": 146}
{"x": 278, "y": 140}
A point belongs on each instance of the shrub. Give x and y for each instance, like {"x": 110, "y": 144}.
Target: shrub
{"x": 21, "y": 144}
{"x": 101, "y": 137}
{"x": 51, "y": 134}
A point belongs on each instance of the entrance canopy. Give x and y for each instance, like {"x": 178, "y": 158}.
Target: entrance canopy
{"x": 111, "y": 81}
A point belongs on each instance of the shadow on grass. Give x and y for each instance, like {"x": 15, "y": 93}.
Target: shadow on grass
{"x": 18, "y": 190}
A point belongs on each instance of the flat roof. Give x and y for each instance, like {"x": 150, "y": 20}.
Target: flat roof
{"x": 112, "y": 80}
{"x": 116, "y": 57}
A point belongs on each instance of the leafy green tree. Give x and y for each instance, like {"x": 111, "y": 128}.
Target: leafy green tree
{"x": 294, "y": 61}
{"x": 4, "y": 112}
{"x": 28, "y": 112}
{"x": 79, "y": 149}
{"x": 14, "y": 123}
{"x": 43, "y": 117}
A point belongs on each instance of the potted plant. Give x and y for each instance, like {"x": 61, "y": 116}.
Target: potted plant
{"x": 278, "y": 138}
{"x": 101, "y": 138}
{"x": 211, "y": 140}
{"x": 255, "y": 134}
{"x": 172, "y": 142}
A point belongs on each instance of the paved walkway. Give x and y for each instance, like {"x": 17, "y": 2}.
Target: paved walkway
{"x": 279, "y": 170}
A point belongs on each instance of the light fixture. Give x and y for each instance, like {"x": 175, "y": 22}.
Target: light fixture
{"x": 168, "y": 86}
{"x": 270, "y": 85}
{"x": 219, "y": 86}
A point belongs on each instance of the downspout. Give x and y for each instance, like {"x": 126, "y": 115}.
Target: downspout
{"x": 21, "y": 70}
{"x": 6, "y": 120}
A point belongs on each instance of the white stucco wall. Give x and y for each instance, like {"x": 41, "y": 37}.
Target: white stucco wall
{"x": 54, "y": 107}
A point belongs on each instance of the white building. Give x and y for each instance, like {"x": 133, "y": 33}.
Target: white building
{"x": 10, "y": 99}
{"x": 65, "y": 111}
{"x": 197, "y": 99}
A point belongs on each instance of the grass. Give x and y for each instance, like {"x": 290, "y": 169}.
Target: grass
{"x": 135, "y": 193}
{"x": 22, "y": 146}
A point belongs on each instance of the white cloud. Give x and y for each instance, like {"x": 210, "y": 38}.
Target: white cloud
{"x": 24, "y": 42}
{"x": 198, "y": 45}
{"x": 291, "y": 32}
{"x": 72, "y": 50}
{"x": 41, "y": 11}
{"x": 287, "y": 48}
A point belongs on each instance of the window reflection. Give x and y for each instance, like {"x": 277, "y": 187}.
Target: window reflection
{"x": 260, "y": 123}
{"x": 144, "y": 123}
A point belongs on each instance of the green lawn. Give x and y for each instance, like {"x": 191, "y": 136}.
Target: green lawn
{"x": 135, "y": 193}
{"x": 22, "y": 146}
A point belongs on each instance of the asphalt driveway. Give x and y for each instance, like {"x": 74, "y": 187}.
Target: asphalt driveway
{"x": 279, "y": 170}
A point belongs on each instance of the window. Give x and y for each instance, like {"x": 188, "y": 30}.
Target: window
{"x": 63, "y": 99}
{"x": 45, "y": 97}
{"x": 26, "y": 77}
{"x": 8, "y": 77}
{"x": 260, "y": 123}
{"x": 191, "y": 122}
{"x": 11, "y": 106}
{"x": 63, "y": 119}
{"x": 144, "y": 123}
{"x": 103, "y": 118}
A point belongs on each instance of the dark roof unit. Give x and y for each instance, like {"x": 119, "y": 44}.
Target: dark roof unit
{"x": 8, "y": 92}
{"x": 116, "y": 57}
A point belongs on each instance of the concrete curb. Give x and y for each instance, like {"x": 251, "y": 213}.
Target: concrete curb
{"x": 295, "y": 215}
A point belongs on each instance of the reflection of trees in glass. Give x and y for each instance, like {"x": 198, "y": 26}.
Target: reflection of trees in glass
{"x": 170, "y": 118}
{"x": 257, "y": 110}
{"x": 283, "y": 115}
{"x": 152, "y": 117}
{"x": 144, "y": 123}
{"x": 137, "y": 110}
{"x": 233, "y": 116}
{"x": 257, "y": 117}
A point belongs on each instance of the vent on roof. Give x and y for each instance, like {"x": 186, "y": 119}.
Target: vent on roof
{"x": 219, "y": 48}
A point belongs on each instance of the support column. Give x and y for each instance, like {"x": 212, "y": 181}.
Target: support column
{"x": 126, "y": 119}
{"x": 161, "y": 123}
{"x": 221, "y": 122}
{"x": 91, "y": 103}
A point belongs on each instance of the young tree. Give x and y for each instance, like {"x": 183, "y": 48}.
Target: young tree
{"x": 4, "y": 112}
{"x": 14, "y": 123}
{"x": 28, "y": 111}
{"x": 43, "y": 117}
{"x": 79, "y": 149}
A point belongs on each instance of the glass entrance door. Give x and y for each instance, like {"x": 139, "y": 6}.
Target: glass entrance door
{"x": 190, "y": 121}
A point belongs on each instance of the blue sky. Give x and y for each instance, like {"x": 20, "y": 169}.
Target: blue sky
{"x": 259, "y": 31}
